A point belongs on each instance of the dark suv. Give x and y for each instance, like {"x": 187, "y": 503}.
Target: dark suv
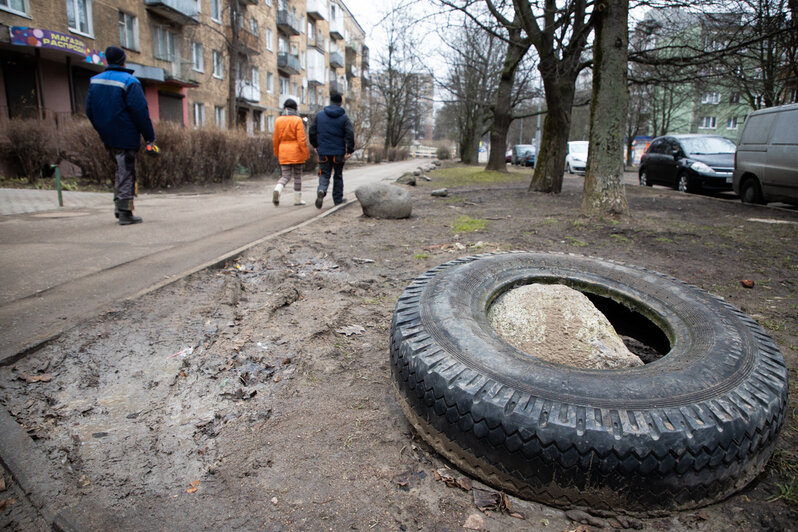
{"x": 689, "y": 163}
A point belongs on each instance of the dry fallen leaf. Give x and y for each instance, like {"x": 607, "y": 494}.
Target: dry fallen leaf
{"x": 194, "y": 484}
{"x": 191, "y": 490}
{"x": 474, "y": 522}
{"x": 44, "y": 377}
{"x": 747, "y": 283}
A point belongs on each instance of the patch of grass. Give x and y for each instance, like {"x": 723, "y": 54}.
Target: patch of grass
{"x": 665, "y": 240}
{"x": 579, "y": 224}
{"x": 548, "y": 222}
{"x": 420, "y": 256}
{"x": 376, "y": 300}
{"x": 576, "y": 242}
{"x": 461, "y": 175}
{"x": 787, "y": 492}
{"x": 775, "y": 325}
{"x": 466, "y": 224}
{"x": 621, "y": 238}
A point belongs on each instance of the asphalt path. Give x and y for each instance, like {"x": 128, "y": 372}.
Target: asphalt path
{"x": 63, "y": 266}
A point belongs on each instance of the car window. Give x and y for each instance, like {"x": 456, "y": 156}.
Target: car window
{"x": 708, "y": 145}
{"x": 757, "y": 129}
{"x": 658, "y": 146}
{"x": 578, "y": 147}
{"x": 786, "y": 131}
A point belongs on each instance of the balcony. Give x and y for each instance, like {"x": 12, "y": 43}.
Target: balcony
{"x": 287, "y": 22}
{"x": 249, "y": 43}
{"x": 337, "y": 29}
{"x": 364, "y": 59}
{"x": 246, "y": 90}
{"x": 315, "y": 70}
{"x": 181, "y": 74}
{"x": 351, "y": 52}
{"x": 352, "y": 71}
{"x": 336, "y": 60}
{"x": 317, "y": 9}
{"x": 287, "y": 64}
{"x": 181, "y": 12}
{"x": 337, "y": 87}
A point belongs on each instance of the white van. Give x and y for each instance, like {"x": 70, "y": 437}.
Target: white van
{"x": 766, "y": 161}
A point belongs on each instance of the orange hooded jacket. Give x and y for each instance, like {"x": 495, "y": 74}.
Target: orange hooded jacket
{"x": 290, "y": 143}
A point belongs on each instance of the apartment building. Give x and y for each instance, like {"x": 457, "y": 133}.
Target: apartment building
{"x": 223, "y": 63}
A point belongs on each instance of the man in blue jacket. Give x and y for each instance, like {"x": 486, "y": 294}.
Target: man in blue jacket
{"x": 118, "y": 110}
{"x": 333, "y": 136}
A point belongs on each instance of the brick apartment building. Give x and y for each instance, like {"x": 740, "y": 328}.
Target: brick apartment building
{"x": 187, "y": 54}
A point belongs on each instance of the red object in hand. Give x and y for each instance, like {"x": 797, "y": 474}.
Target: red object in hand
{"x": 153, "y": 149}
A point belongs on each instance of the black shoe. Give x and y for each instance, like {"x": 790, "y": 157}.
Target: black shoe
{"x": 127, "y": 218}
{"x": 319, "y": 199}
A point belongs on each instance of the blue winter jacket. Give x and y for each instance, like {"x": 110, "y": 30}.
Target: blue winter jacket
{"x": 118, "y": 110}
{"x": 331, "y": 132}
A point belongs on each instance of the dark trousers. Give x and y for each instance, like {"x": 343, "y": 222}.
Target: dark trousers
{"x": 332, "y": 164}
{"x": 125, "y": 177}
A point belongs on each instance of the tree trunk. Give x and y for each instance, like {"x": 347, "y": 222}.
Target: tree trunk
{"x": 502, "y": 109}
{"x": 550, "y": 160}
{"x": 604, "y": 192}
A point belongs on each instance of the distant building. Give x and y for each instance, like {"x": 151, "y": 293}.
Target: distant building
{"x": 181, "y": 51}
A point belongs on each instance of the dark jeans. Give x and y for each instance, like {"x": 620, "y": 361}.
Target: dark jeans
{"x": 125, "y": 179}
{"x": 332, "y": 164}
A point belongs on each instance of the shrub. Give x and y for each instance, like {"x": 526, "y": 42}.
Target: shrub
{"x": 443, "y": 153}
{"x": 258, "y": 156}
{"x": 376, "y": 155}
{"x": 81, "y": 146}
{"x": 32, "y": 145}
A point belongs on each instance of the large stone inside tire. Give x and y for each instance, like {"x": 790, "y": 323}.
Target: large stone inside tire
{"x": 683, "y": 431}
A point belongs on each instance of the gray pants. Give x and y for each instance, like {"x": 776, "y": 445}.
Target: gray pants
{"x": 125, "y": 177}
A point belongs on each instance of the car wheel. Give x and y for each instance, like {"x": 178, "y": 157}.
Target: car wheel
{"x": 685, "y": 430}
{"x": 751, "y": 192}
{"x": 568, "y": 168}
{"x": 683, "y": 184}
{"x": 643, "y": 176}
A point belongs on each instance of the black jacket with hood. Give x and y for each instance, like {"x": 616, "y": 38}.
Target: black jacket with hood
{"x": 331, "y": 132}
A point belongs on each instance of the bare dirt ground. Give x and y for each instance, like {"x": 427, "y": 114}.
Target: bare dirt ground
{"x": 258, "y": 396}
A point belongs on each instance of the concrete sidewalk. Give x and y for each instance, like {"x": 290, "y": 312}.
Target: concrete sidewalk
{"x": 26, "y": 201}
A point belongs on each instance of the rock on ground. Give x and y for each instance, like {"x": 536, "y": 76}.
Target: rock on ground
{"x": 380, "y": 200}
{"x": 559, "y": 324}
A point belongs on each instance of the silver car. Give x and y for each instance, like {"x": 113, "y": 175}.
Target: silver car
{"x": 766, "y": 161}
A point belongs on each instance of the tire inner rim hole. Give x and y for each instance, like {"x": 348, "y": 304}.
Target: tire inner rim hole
{"x": 640, "y": 335}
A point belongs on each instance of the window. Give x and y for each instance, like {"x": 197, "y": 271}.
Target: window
{"x": 253, "y": 26}
{"x": 303, "y": 60}
{"x": 218, "y": 116}
{"x": 710, "y": 97}
{"x": 302, "y": 95}
{"x": 269, "y": 82}
{"x": 282, "y": 45}
{"x": 257, "y": 120}
{"x": 269, "y": 40}
{"x": 271, "y": 124}
{"x": 284, "y": 85}
{"x": 218, "y": 68}
{"x": 164, "y": 43}
{"x": 216, "y": 11}
{"x": 128, "y": 31}
{"x": 255, "y": 78}
{"x": 269, "y": 3}
{"x": 15, "y": 6}
{"x": 199, "y": 114}
{"x": 79, "y": 16}
{"x": 734, "y": 97}
{"x": 197, "y": 59}
{"x": 731, "y": 123}
{"x": 707, "y": 122}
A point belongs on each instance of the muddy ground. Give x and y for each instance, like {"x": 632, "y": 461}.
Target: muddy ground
{"x": 257, "y": 396}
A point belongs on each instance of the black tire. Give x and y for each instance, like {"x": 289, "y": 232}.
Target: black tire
{"x": 751, "y": 192}
{"x": 643, "y": 177}
{"x": 684, "y": 184}
{"x": 683, "y": 431}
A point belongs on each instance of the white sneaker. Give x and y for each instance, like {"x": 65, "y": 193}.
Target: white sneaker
{"x": 276, "y": 194}
{"x": 298, "y": 198}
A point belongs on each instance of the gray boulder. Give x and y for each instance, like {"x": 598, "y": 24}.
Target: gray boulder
{"x": 561, "y": 325}
{"x": 440, "y": 193}
{"x": 407, "y": 179}
{"x": 380, "y": 200}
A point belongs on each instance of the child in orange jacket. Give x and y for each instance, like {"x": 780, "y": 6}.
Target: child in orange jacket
{"x": 291, "y": 150}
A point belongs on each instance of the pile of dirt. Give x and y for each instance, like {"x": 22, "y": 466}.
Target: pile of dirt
{"x": 258, "y": 395}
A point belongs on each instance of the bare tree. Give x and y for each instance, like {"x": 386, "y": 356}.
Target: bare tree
{"x": 473, "y": 61}
{"x": 397, "y": 84}
{"x": 604, "y": 192}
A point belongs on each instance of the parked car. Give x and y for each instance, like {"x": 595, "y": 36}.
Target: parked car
{"x": 528, "y": 158}
{"x": 690, "y": 163}
{"x": 508, "y": 156}
{"x": 766, "y": 161}
{"x": 576, "y": 157}
{"x": 518, "y": 153}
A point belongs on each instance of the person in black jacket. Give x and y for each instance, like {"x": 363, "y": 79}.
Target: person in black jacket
{"x": 333, "y": 136}
{"x": 118, "y": 110}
